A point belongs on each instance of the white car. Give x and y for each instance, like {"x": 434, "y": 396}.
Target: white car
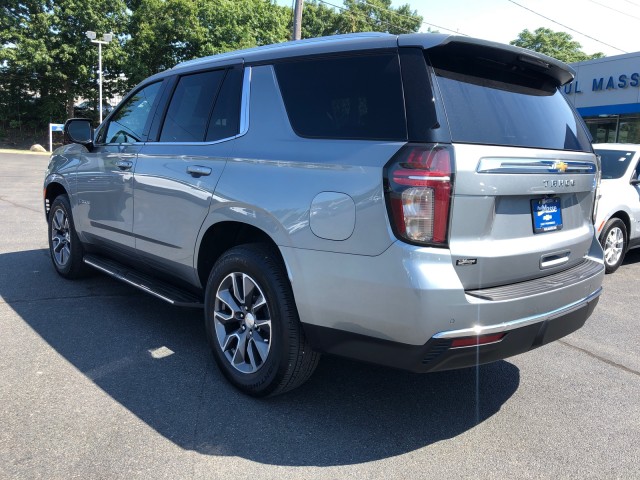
{"x": 618, "y": 216}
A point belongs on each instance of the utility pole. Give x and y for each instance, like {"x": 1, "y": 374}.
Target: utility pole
{"x": 297, "y": 20}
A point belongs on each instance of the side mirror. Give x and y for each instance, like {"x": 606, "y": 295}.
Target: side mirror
{"x": 635, "y": 182}
{"x": 78, "y": 130}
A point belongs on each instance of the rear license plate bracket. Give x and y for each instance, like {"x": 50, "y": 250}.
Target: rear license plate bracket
{"x": 546, "y": 214}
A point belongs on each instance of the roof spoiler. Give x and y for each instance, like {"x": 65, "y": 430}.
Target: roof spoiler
{"x": 558, "y": 71}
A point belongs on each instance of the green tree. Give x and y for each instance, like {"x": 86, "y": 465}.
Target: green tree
{"x": 47, "y": 63}
{"x": 378, "y": 16}
{"x": 45, "y": 57}
{"x": 558, "y": 45}
{"x": 161, "y": 34}
{"x": 166, "y": 32}
{"x": 318, "y": 19}
{"x": 234, "y": 24}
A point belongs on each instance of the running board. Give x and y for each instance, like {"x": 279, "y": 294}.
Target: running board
{"x": 146, "y": 283}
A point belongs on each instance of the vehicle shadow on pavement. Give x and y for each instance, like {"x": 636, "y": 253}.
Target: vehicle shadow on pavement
{"x": 154, "y": 360}
{"x": 632, "y": 256}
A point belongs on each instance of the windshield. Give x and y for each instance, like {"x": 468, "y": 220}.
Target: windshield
{"x": 614, "y": 162}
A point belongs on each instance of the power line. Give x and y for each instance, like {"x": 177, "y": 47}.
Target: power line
{"x": 365, "y": 16}
{"x": 411, "y": 18}
{"x": 377, "y": 7}
{"x": 618, "y": 11}
{"x": 569, "y": 28}
{"x": 444, "y": 28}
{"x": 397, "y": 14}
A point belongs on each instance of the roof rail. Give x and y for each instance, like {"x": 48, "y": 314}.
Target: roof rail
{"x": 291, "y": 44}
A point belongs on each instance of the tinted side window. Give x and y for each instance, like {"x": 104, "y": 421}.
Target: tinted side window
{"x": 127, "y": 124}
{"x": 358, "y": 97}
{"x": 225, "y": 120}
{"x": 190, "y": 107}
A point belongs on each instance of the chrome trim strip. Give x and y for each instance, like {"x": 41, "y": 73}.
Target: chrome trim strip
{"x": 433, "y": 179}
{"x": 532, "y": 166}
{"x": 244, "y": 106}
{"x": 244, "y": 116}
{"x": 523, "y": 322}
{"x": 197, "y": 144}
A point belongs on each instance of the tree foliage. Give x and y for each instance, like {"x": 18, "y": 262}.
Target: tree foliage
{"x": 45, "y": 58}
{"x": 558, "y": 45}
{"x": 319, "y": 20}
{"x": 47, "y": 63}
{"x": 378, "y": 16}
{"x": 166, "y": 32}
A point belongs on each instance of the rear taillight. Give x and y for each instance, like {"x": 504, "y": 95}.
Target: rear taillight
{"x": 418, "y": 187}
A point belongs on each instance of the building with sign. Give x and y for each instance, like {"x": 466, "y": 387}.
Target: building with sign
{"x": 606, "y": 93}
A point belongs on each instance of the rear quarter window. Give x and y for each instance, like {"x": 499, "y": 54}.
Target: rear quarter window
{"x": 354, "y": 97}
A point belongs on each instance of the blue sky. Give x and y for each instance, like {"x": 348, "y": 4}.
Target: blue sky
{"x": 614, "y": 23}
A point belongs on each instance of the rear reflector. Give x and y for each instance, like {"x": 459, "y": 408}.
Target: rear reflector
{"x": 477, "y": 340}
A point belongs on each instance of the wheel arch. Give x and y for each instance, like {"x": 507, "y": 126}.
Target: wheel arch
{"x": 223, "y": 235}
{"x": 625, "y": 218}
{"x": 52, "y": 190}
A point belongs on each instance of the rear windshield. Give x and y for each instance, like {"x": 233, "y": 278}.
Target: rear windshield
{"x": 493, "y": 103}
{"x": 614, "y": 162}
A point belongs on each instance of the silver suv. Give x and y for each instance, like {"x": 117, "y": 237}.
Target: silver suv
{"x": 418, "y": 201}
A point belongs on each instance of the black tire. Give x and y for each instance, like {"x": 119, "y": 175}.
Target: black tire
{"x": 65, "y": 248}
{"x": 260, "y": 348}
{"x": 614, "y": 243}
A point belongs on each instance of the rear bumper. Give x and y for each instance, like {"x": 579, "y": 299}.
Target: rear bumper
{"x": 439, "y": 353}
{"x": 408, "y": 295}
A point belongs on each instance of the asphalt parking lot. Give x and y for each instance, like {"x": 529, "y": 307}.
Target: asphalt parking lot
{"x": 100, "y": 381}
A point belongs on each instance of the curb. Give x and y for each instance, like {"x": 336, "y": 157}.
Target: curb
{"x": 23, "y": 152}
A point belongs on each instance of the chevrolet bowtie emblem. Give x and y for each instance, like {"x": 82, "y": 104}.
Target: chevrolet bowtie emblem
{"x": 560, "y": 167}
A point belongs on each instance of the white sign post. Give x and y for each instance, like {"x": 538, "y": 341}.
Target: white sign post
{"x": 54, "y": 127}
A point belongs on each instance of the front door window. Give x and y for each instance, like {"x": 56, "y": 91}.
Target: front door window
{"x": 127, "y": 125}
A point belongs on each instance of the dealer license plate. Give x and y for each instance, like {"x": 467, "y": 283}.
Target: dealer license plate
{"x": 547, "y": 214}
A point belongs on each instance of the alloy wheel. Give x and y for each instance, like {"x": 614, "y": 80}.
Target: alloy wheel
{"x": 61, "y": 237}
{"x": 614, "y": 245}
{"x": 242, "y": 322}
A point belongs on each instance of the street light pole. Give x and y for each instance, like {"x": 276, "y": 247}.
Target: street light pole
{"x": 100, "y": 80}
{"x": 106, "y": 38}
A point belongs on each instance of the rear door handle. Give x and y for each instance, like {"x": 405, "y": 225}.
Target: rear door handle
{"x": 198, "y": 171}
{"x": 554, "y": 259}
{"x": 124, "y": 164}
